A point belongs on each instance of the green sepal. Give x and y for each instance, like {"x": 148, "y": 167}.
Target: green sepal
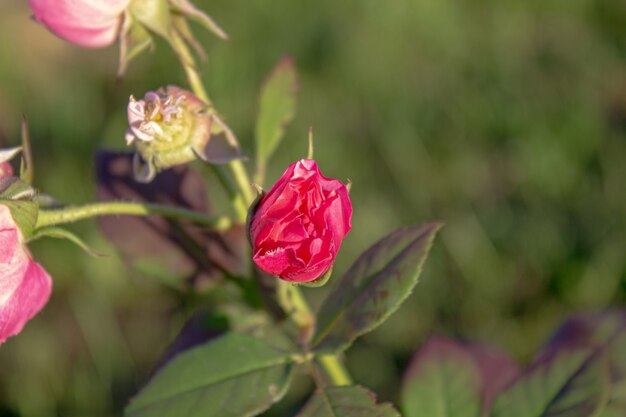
{"x": 181, "y": 26}
{"x": 187, "y": 9}
{"x": 21, "y": 199}
{"x": 59, "y": 233}
{"x": 154, "y": 14}
{"x": 134, "y": 39}
{"x": 26, "y": 167}
{"x": 252, "y": 209}
{"x": 320, "y": 282}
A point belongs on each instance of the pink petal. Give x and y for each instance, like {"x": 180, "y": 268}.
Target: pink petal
{"x": 276, "y": 261}
{"x": 89, "y": 23}
{"x": 27, "y": 300}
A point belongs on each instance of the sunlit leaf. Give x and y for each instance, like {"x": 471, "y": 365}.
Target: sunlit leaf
{"x": 233, "y": 376}
{"x": 347, "y": 401}
{"x": 374, "y": 287}
{"x": 277, "y": 106}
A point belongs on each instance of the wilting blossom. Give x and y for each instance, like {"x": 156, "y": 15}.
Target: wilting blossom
{"x": 24, "y": 285}
{"x": 298, "y": 226}
{"x": 172, "y": 126}
{"x": 89, "y": 23}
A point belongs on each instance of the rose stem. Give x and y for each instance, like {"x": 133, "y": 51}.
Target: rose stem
{"x": 195, "y": 81}
{"x": 330, "y": 363}
{"x": 70, "y": 214}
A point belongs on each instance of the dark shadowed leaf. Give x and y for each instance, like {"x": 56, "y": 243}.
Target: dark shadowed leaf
{"x": 443, "y": 380}
{"x": 351, "y": 401}
{"x": 202, "y": 327}
{"x": 173, "y": 251}
{"x": 233, "y": 376}
{"x": 277, "y": 106}
{"x": 591, "y": 329}
{"x": 569, "y": 383}
{"x": 374, "y": 286}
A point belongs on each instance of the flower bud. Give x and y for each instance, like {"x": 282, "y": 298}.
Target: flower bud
{"x": 93, "y": 24}
{"x": 297, "y": 228}
{"x": 172, "y": 127}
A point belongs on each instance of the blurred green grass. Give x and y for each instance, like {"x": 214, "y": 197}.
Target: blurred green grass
{"x": 507, "y": 120}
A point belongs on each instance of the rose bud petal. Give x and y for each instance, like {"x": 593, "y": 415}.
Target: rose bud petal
{"x": 298, "y": 226}
{"x": 24, "y": 285}
{"x": 89, "y": 23}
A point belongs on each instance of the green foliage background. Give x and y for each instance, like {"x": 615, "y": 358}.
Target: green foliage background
{"x": 505, "y": 119}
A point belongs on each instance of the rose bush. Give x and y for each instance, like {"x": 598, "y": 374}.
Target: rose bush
{"x": 298, "y": 226}
{"x": 89, "y": 23}
{"x": 24, "y": 285}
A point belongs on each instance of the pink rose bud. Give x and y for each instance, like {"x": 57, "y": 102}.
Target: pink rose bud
{"x": 297, "y": 227}
{"x": 24, "y": 285}
{"x": 89, "y": 23}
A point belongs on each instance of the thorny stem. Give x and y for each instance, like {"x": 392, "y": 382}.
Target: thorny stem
{"x": 290, "y": 296}
{"x": 70, "y": 214}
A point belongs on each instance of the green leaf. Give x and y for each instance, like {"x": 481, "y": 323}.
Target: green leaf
{"x": 443, "y": 381}
{"x": 277, "y": 107}
{"x": 349, "y": 401}
{"x": 604, "y": 331}
{"x": 59, "y": 233}
{"x": 233, "y": 376}
{"x": 616, "y": 406}
{"x": 571, "y": 383}
{"x": 374, "y": 287}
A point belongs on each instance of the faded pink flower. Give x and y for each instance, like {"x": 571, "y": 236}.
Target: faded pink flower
{"x": 297, "y": 227}
{"x": 24, "y": 285}
{"x": 89, "y": 23}
{"x": 6, "y": 170}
